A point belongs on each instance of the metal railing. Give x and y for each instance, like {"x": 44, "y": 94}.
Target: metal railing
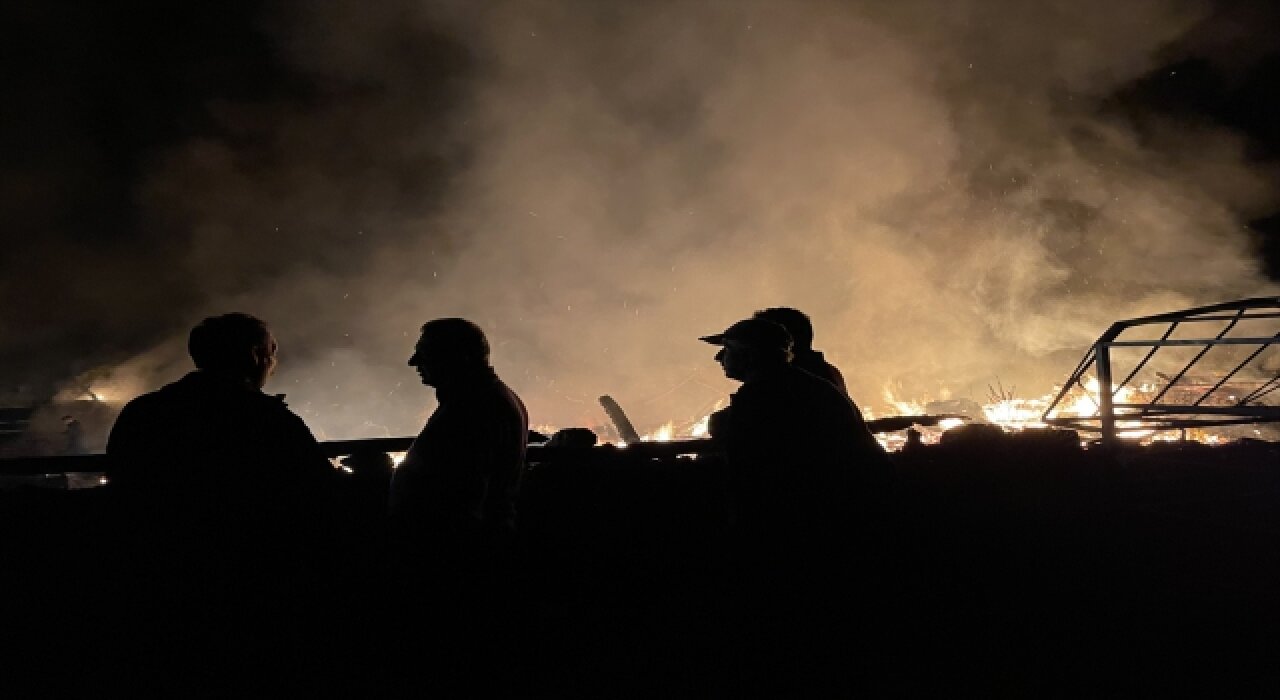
{"x": 1235, "y": 346}
{"x": 536, "y": 452}
{"x": 97, "y": 463}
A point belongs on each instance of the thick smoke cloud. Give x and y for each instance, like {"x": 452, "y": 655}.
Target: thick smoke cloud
{"x": 945, "y": 187}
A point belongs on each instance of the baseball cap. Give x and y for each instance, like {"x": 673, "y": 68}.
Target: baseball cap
{"x": 753, "y": 333}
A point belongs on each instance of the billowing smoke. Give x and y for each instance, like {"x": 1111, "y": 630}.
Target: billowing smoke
{"x": 947, "y": 188}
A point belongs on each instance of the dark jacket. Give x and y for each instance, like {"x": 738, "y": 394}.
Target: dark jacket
{"x": 814, "y": 363}
{"x": 206, "y": 448}
{"x": 796, "y": 448}
{"x": 230, "y": 538}
{"x": 462, "y": 473}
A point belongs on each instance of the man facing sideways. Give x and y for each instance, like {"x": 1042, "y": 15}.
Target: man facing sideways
{"x": 457, "y": 486}
{"x": 452, "y": 514}
{"x": 799, "y": 459}
{"x": 796, "y": 446}
{"x": 803, "y": 355}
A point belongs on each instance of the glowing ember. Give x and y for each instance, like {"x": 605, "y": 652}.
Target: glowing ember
{"x": 1014, "y": 413}
{"x": 663, "y": 434}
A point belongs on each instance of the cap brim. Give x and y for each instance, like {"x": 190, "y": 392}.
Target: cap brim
{"x": 717, "y": 339}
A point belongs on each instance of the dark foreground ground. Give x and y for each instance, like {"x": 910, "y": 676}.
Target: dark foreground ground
{"x": 997, "y": 567}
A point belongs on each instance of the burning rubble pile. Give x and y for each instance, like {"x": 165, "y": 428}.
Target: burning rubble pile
{"x": 1004, "y": 409}
{"x": 1208, "y": 374}
{"x": 931, "y": 419}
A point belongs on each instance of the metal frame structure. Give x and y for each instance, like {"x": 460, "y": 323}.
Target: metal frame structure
{"x": 1250, "y": 378}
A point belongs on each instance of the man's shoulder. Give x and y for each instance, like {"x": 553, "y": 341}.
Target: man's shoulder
{"x": 509, "y": 395}
{"x": 789, "y": 378}
{"x": 142, "y": 403}
{"x": 792, "y": 386}
{"x": 154, "y": 422}
{"x": 191, "y": 401}
{"x": 272, "y": 415}
{"x": 272, "y": 403}
{"x": 189, "y": 388}
{"x": 494, "y": 396}
{"x": 164, "y": 399}
{"x": 774, "y": 389}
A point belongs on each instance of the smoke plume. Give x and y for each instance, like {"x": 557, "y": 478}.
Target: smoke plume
{"x": 947, "y": 188}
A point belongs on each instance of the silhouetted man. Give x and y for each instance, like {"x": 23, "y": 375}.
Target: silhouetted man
{"x": 452, "y": 508}
{"x": 798, "y": 453}
{"x": 213, "y": 439}
{"x": 227, "y": 508}
{"x": 460, "y": 478}
{"x": 803, "y": 355}
{"x": 795, "y": 445}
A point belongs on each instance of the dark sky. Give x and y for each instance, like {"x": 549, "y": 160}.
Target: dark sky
{"x": 95, "y": 96}
{"x": 120, "y": 117}
{"x": 94, "y": 92}
{"x": 1225, "y": 72}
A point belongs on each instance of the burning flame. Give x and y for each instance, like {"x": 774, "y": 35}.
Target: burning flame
{"x": 663, "y": 434}
{"x": 1013, "y": 414}
{"x": 1004, "y": 409}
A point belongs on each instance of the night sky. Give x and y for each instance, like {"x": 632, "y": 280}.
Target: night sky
{"x": 167, "y": 160}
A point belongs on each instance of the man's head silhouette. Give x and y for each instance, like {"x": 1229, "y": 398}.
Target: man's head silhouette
{"x": 794, "y": 320}
{"x": 749, "y": 346}
{"x": 449, "y": 348}
{"x": 234, "y": 345}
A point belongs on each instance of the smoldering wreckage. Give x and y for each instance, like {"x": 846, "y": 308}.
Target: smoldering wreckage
{"x": 1122, "y": 541}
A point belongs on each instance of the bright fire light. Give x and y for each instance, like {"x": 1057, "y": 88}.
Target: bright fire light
{"x": 662, "y": 434}
{"x": 1009, "y": 412}
{"x": 1014, "y": 414}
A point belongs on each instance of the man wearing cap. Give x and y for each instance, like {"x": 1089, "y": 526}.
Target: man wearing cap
{"x": 795, "y": 445}
{"x": 803, "y": 355}
{"x": 798, "y": 455}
